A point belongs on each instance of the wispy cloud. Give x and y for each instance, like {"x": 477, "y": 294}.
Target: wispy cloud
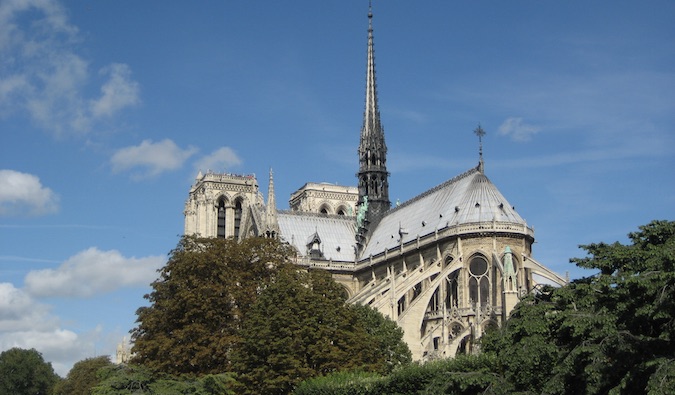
{"x": 92, "y": 272}
{"x": 517, "y": 130}
{"x": 218, "y": 160}
{"x": 151, "y": 158}
{"x": 24, "y": 194}
{"x": 120, "y": 91}
{"x": 44, "y": 77}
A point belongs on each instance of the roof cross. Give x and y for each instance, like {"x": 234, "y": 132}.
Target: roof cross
{"x": 480, "y": 133}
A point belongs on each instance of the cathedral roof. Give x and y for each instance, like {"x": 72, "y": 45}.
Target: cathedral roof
{"x": 336, "y": 233}
{"x": 466, "y": 199}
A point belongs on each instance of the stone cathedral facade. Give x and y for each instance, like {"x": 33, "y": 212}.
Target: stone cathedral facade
{"x": 445, "y": 265}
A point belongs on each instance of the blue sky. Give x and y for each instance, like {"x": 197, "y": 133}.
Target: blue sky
{"x": 109, "y": 108}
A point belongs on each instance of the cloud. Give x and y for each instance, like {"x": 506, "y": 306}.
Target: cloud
{"x": 220, "y": 159}
{"x": 22, "y": 193}
{"x": 26, "y": 323}
{"x": 152, "y": 158}
{"x": 93, "y": 272}
{"x": 43, "y": 76}
{"x": 517, "y": 129}
{"x": 119, "y": 92}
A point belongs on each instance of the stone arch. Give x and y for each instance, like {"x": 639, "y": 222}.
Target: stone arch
{"x": 342, "y": 209}
{"x": 325, "y": 208}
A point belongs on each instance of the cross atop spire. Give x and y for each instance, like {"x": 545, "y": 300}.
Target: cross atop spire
{"x": 480, "y": 133}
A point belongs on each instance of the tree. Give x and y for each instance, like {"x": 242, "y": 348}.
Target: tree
{"x": 82, "y": 377}
{"x": 300, "y": 327}
{"x": 199, "y": 300}
{"x": 608, "y": 333}
{"x": 394, "y": 352}
{"x": 139, "y": 380}
{"x": 24, "y": 372}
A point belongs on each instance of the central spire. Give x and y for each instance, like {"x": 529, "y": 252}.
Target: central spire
{"x": 373, "y": 176}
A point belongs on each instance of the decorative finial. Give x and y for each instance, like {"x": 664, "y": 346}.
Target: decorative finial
{"x": 480, "y": 133}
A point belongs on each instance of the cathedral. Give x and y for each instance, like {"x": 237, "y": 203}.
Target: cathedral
{"x": 445, "y": 265}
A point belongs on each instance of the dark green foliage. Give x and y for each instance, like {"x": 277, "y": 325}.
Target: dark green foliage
{"x": 300, "y": 327}
{"x": 609, "y": 333}
{"x": 138, "y": 380}
{"x": 462, "y": 375}
{"x": 82, "y": 377}
{"x": 24, "y": 372}
{"x": 388, "y": 336}
{"x": 198, "y": 302}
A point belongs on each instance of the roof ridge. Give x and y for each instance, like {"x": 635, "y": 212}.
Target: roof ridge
{"x": 436, "y": 188}
{"x": 317, "y": 215}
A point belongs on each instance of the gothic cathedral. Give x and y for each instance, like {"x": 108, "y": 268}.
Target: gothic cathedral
{"x": 446, "y": 264}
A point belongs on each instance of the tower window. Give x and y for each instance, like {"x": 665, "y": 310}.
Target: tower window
{"x": 237, "y": 218}
{"x": 221, "y": 219}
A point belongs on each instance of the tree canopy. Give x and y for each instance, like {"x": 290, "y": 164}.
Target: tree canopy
{"x": 300, "y": 327}
{"x": 25, "y": 372}
{"x": 197, "y": 304}
{"x": 82, "y": 377}
{"x": 608, "y": 333}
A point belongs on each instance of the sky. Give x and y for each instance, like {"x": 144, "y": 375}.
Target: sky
{"x": 108, "y": 109}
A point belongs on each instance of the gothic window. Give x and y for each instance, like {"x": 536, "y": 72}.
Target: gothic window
{"x": 221, "y": 219}
{"x": 479, "y": 281}
{"x": 451, "y": 290}
{"x": 237, "y": 218}
{"x": 341, "y": 211}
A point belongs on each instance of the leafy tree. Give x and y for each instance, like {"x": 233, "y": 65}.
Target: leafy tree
{"x": 82, "y": 377}
{"x": 139, "y": 380}
{"x": 394, "y": 352}
{"x": 298, "y": 328}
{"x": 24, "y": 372}
{"x": 197, "y": 304}
{"x": 608, "y": 333}
{"x": 466, "y": 374}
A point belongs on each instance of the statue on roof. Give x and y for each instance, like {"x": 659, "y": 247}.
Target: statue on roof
{"x": 361, "y": 214}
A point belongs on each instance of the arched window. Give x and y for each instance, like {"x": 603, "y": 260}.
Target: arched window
{"x": 451, "y": 291}
{"x": 237, "y": 218}
{"x": 479, "y": 281}
{"x": 221, "y": 219}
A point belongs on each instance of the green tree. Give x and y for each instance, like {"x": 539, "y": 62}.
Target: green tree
{"x": 24, "y": 372}
{"x": 608, "y": 333}
{"x": 298, "y": 328}
{"x": 139, "y": 380}
{"x": 82, "y": 377}
{"x": 199, "y": 300}
{"x": 394, "y": 352}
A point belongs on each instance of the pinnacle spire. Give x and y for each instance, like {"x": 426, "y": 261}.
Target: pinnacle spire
{"x": 271, "y": 221}
{"x": 373, "y": 175}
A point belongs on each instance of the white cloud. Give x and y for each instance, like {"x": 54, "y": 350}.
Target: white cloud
{"x": 517, "y": 129}
{"x": 119, "y": 92}
{"x": 22, "y": 193}
{"x": 218, "y": 160}
{"x": 44, "y": 77}
{"x": 152, "y": 158}
{"x": 93, "y": 272}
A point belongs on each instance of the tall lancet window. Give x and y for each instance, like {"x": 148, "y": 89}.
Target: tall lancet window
{"x": 237, "y": 218}
{"x": 221, "y": 218}
{"x": 479, "y": 281}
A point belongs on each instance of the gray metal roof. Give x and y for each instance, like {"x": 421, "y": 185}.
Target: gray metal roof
{"x": 467, "y": 198}
{"x": 337, "y": 233}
